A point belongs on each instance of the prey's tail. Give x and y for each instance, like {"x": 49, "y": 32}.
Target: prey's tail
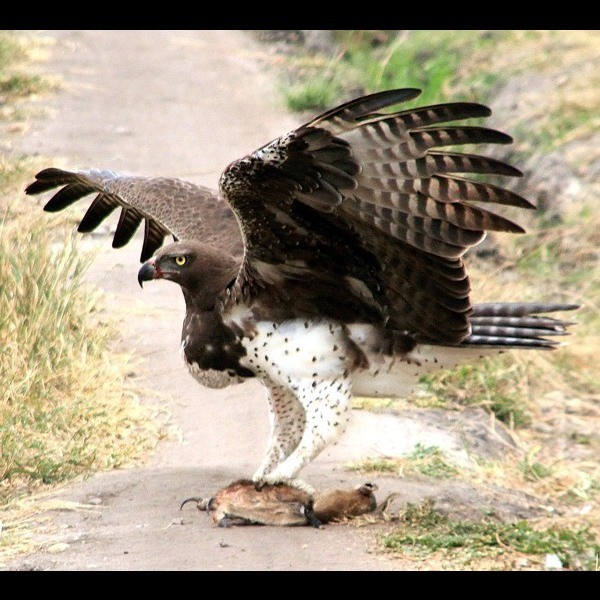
{"x": 517, "y": 325}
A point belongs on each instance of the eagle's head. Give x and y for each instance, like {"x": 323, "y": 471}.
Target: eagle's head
{"x": 200, "y": 270}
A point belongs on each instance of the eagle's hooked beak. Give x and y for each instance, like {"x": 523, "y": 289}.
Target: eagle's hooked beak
{"x": 148, "y": 272}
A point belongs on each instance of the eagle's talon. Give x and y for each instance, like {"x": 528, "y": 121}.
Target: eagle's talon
{"x": 292, "y": 482}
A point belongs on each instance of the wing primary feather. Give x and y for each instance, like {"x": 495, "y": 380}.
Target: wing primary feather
{"x": 129, "y": 221}
{"x": 471, "y": 163}
{"x": 452, "y": 188}
{"x": 154, "y": 236}
{"x": 47, "y": 179}
{"x": 439, "y": 113}
{"x": 393, "y": 208}
{"x": 352, "y": 111}
{"x": 427, "y": 138}
{"x": 67, "y": 196}
{"x": 99, "y": 209}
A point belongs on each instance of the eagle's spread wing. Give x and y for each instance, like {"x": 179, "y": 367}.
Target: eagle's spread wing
{"x": 352, "y": 278}
{"x": 364, "y": 206}
{"x": 165, "y": 204}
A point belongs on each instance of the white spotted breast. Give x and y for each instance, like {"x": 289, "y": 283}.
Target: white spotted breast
{"x": 297, "y": 349}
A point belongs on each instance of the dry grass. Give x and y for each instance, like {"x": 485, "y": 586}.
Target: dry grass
{"x": 70, "y": 404}
{"x": 17, "y": 52}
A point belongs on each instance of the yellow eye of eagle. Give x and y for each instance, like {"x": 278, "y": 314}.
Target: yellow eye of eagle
{"x": 180, "y": 260}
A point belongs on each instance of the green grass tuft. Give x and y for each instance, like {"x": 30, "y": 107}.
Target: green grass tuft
{"x": 429, "y": 60}
{"x": 14, "y": 83}
{"x": 428, "y": 461}
{"x": 376, "y": 465}
{"x": 489, "y": 384}
{"x": 21, "y": 85}
{"x": 317, "y": 93}
{"x": 376, "y": 60}
{"x": 532, "y": 469}
{"x": 424, "y": 530}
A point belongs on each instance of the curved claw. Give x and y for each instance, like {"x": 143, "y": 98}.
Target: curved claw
{"x": 201, "y": 503}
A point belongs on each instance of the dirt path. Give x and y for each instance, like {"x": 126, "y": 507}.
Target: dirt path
{"x": 185, "y": 104}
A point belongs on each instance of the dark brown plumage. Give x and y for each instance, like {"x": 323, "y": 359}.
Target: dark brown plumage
{"x": 330, "y": 262}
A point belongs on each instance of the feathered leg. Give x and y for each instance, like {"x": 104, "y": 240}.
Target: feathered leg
{"x": 327, "y": 407}
{"x": 288, "y": 420}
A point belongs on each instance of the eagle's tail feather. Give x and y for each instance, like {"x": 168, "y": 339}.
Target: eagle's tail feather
{"x": 516, "y": 324}
{"x": 496, "y": 327}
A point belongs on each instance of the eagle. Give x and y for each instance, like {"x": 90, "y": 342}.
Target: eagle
{"x": 329, "y": 262}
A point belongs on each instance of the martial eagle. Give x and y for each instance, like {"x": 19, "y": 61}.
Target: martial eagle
{"x": 329, "y": 262}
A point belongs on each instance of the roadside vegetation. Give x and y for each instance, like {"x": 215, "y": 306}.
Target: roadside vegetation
{"x": 428, "y": 461}
{"x": 544, "y": 89}
{"x": 426, "y": 535}
{"x": 441, "y": 63}
{"x": 68, "y": 405}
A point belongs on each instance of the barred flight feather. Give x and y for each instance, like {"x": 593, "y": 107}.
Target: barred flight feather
{"x": 329, "y": 260}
